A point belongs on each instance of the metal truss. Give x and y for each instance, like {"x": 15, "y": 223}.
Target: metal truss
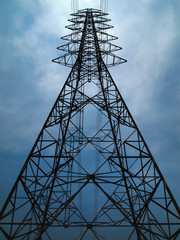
{"x": 90, "y": 168}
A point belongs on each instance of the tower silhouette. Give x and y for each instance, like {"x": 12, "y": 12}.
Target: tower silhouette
{"x": 90, "y": 168}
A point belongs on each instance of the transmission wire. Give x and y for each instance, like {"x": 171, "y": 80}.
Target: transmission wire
{"x": 104, "y": 5}
{"x": 74, "y": 6}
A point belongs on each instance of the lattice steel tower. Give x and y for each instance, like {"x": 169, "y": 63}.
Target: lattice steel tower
{"x": 90, "y": 170}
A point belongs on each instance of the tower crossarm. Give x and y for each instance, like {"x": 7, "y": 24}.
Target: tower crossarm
{"x": 104, "y": 39}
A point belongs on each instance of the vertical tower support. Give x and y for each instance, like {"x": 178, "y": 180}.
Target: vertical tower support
{"x": 133, "y": 197}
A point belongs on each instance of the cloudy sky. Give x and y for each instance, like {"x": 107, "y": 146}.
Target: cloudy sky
{"x": 148, "y": 32}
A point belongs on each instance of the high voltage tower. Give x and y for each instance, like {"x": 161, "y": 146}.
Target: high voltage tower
{"x": 90, "y": 171}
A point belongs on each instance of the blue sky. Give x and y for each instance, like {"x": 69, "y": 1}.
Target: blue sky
{"x": 148, "y": 32}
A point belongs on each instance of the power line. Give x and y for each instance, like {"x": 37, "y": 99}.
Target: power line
{"x": 104, "y": 5}
{"x": 74, "y": 6}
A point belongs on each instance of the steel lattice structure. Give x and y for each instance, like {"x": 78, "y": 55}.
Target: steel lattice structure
{"x": 84, "y": 176}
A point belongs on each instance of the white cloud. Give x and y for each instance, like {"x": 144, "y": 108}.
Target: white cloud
{"x": 147, "y": 38}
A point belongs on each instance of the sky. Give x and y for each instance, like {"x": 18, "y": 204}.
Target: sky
{"x": 148, "y": 32}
